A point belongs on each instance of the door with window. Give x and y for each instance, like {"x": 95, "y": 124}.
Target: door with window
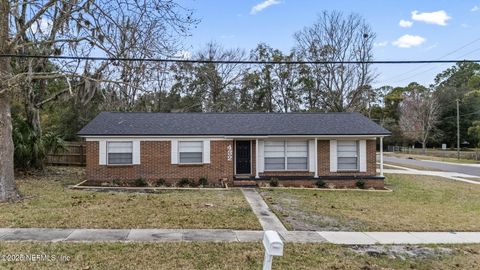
{"x": 243, "y": 157}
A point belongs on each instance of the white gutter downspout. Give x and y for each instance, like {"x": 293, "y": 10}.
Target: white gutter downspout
{"x": 381, "y": 156}
{"x": 257, "y": 162}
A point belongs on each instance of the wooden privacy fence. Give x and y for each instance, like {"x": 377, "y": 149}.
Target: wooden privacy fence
{"x": 73, "y": 155}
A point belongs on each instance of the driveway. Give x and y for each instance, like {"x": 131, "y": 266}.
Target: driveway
{"x": 471, "y": 169}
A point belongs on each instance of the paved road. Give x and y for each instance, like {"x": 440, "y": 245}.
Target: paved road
{"x": 450, "y": 167}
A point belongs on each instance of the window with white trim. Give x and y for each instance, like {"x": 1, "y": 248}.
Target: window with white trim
{"x": 190, "y": 152}
{"x": 120, "y": 153}
{"x": 347, "y": 155}
{"x": 286, "y": 155}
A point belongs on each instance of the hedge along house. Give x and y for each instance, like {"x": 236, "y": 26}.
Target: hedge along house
{"x": 238, "y": 148}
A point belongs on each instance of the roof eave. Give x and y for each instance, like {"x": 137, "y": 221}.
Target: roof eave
{"x": 235, "y": 135}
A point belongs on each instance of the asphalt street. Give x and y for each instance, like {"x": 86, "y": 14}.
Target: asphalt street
{"x": 449, "y": 167}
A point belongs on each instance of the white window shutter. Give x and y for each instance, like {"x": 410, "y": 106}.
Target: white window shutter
{"x": 261, "y": 156}
{"x": 363, "y": 155}
{"x": 206, "y": 151}
{"x": 174, "y": 151}
{"x": 333, "y": 156}
{"x": 136, "y": 152}
{"x": 102, "y": 152}
{"x": 311, "y": 155}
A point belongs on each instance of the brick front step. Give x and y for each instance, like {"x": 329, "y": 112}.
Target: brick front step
{"x": 244, "y": 183}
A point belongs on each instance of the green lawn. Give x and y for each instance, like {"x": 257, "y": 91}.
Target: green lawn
{"x": 209, "y": 255}
{"x": 417, "y": 203}
{"x": 49, "y": 203}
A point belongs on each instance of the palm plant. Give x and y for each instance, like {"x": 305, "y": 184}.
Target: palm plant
{"x": 30, "y": 150}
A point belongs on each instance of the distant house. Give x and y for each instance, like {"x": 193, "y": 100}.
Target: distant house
{"x": 295, "y": 148}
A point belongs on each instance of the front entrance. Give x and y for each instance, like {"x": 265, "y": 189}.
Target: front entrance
{"x": 243, "y": 157}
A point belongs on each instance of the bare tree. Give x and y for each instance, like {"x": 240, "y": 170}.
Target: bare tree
{"x": 336, "y": 37}
{"x": 419, "y": 115}
{"x": 118, "y": 28}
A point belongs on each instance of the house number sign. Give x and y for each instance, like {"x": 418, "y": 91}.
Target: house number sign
{"x": 229, "y": 153}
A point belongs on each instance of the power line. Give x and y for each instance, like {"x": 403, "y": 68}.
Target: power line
{"x": 441, "y": 57}
{"x": 432, "y": 68}
{"x": 202, "y": 61}
{"x": 476, "y": 112}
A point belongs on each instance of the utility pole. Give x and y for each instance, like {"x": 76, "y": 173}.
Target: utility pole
{"x": 458, "y": 129}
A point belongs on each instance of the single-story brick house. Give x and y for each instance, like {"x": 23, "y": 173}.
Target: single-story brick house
{"x": 295, "y": 148}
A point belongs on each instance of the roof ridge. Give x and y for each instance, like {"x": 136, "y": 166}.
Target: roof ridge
{"x": 273, "y": 113}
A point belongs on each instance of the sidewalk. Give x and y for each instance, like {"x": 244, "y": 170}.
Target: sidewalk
{"x": 148, "y": 235}
{"x": 192, "y": 235}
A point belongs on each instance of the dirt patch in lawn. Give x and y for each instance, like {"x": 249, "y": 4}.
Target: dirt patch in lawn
{"x": 296, "y": 219}
{"x": 403, "y": 251}
{"x": 417, "y": 203}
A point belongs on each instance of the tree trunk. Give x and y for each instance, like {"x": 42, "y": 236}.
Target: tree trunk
{"x": 8, "y": 190}
{"x": 7, "y": 179}
{"x": 33, "y": 119}
{"x": 424, "y": 147}
{"x": 34, "y": 123}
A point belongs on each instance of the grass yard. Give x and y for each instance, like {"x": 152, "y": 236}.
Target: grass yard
{"x": 49, "y": 203}
{"x": 418, "y": 203}
{"x": 208, "y": 255}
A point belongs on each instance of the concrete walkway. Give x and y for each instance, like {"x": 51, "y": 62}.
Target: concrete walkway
{"x": 192, "y": 235}
{"x": 267, "y": 218}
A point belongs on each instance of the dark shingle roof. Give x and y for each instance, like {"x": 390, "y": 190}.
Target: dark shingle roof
{"x": 240, "y": 124}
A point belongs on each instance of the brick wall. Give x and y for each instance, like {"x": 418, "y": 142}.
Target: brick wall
{"x": 324, "y": 160}
{"x": 156, "y": 163}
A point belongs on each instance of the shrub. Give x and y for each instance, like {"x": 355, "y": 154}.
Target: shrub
{"x": 203, "y": 181}
{"x": 160, "y": 182}
{"x": 140, "y": 182}
{"x": 331, "y": 186}
{"x": 320, "y": 183}
{"x": 184, "y": 182}
{"x": 273, "y": 182}
{"x": 117, "y": 182}
{"x": 360, "y": 184}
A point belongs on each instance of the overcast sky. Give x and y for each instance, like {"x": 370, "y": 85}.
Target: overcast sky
{"x": 406, "y": 30}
